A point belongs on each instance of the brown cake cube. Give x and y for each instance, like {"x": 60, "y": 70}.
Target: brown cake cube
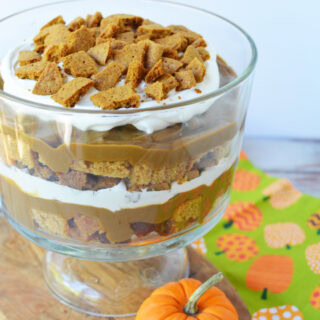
{"x": 31, "y": 71}
{"x": 81, "y": 40}
{"x": 200, "y": 42}
{"x": 135, "y": 73}
{"x": 130, "y": 52}
{"x": 171, "y": 65}
{"x": 71, "y": 91}
{"x": 79, "y": 64}
{"x": 50, "y": 80}
{"x": 109, "y": 76}
{"x": 76, "y": 24}
{"x": 205, "y": 55}
{"x": 55, "y": 52}
{"x": 86, "y": 225}
{"x": 154, "y": 30}
{"x": 110, "y": 31}
{"x": 56, "y": 20}
{"x": 26, "y": 57}
{"x": 156, "y": 72}
{"x": 114, "y": 98}
{"x": 101, "y": 52}
{"x": 153, "y": 54}
{"x": 186, "y": 79}
{"x": 94, "y": 20}
{"x": 190, "y": 54}
{"x": 58, "y": 33}
{"x": 176, "y": 42}
{"x": 126, "y": 37}
{"x": 156, "y": 91}
{"x": 169, "y": 82}
{"x": 198, "y": 69}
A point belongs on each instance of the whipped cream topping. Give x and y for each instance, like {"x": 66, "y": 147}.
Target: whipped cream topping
{"x": 148, "y": 121}
{"x": 115, "y": 198}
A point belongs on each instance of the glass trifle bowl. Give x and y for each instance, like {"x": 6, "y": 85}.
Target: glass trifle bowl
{"x": 116, "y": 195}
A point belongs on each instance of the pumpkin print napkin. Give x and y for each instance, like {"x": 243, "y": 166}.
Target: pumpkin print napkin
{"x": 268, "y": 246}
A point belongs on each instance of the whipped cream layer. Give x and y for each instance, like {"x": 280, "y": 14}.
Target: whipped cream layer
{"x": 148, "y": 121}
{"x": 115, "y": 198}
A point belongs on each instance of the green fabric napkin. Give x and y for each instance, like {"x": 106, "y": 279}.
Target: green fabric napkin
{"x": 268, "y": 246}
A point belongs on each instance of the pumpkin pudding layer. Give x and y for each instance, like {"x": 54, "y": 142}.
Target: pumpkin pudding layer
{"x": 115, "y": 177}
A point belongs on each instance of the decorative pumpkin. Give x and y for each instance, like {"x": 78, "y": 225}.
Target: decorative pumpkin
{"x": 270, "y": 273}
{"x": 313, "y": 257}
{"x": 314, "y": 222}
{"x": 315, "y": 298}
{"x": 188, "y": 300}
{"x": 245, "y": 180}
{"x": 286, "y": 312}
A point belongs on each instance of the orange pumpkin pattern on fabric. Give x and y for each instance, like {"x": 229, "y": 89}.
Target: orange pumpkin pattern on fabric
{"x": 315, "y": 298}
{"x": 281, "y": 235}
{"x": 313, "y": 257}
{"x": 243, "y": 156}
{"x": 270, "y": 273}
{"x": 278, "y": 313}
{"x": 245, "y": 216}
{"x": 314, "y": 222}
{"x": 237, "y": 247}
{"x": 281, "y": 194}
{"x": 245, "y": 180}
{"x": 199, "y": 245}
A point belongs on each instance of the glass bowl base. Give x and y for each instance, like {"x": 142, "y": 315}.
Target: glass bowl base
{"x": 110, "y": 289}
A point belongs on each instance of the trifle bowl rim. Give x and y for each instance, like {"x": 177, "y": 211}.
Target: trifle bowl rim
{"x": 248, "y": 70}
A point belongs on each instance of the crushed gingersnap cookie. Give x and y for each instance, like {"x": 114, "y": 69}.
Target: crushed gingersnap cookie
{"x": 200, "y": 42}
{"x": 56, "y": 20}
{"x": 81, "y": 40}
{"x": 205, "y": 55}
{"x": 55, "y": 52}
{"x": 169, "y": 82}
{"x": 186, "y": 80}
{"x": 79, "y": 64}
{"x": 176, "y": 42}
{"x": 114, "y": 98}
{"x": 94, "y": 20}
{"x": 109, "y": 76}
{"x": 156, "y": 91}
{"x": 171, "y": 53}
{"x": 50, "y": 80}
{"x": 124, "y": 21}
{"x": 76, "y": 24}
{"x": 70, "y": 93}
{"x": 156, "y": 72}
{"x": 31, "y": 71}
{"x": 191, "y": 53}
{"x": 126, "y": 36}
{"x": 154, "y": 52}
{"x": 95, "y": 32}
{"x": 171, "y": 65}
{"x": 198, "y": 69}
{"x": 134, "y": 51}
{"x": 135, "y": 73}
{"x": 116, "y": 44}
{"x": 26, "y": 57}
{"x": 58, "y": 33}
{"x": 154, "y": 30}
{"x": 110, "y": 31}
{"x": 188, "y": 34}
{"x": 101, "y": 52}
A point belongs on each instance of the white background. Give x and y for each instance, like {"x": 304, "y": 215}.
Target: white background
{"x": 286, "y": 93}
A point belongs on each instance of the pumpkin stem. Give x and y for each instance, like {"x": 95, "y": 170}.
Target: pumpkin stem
{"x": 228, "y": 224}
{"x": 264, "y": 294}
{"x": 218, "y": 253}
{"x": 191, "y": 307}
{"x": 318, "y": 232}
{"x": 288, "y": 246}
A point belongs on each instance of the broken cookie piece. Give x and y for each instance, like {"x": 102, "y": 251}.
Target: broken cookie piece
{"x": 55, "y": 52}
{"x": 76, "y": 24}
{"x": 26, "y": 57}
{"x": 115, "y": 98}
{"x": 58, "y": 33}
{"x": 109, "y": 76}
{"x": 124, "y": 21}
{"x": 200, "y": 42}
{"x": 198, "y": 69}
{"x": 130, "y": 52}
{"x": 205, "y": 55}
{"x": 81, "y": 40}
{"x": 31, "y": 71}
{"x": 154, "y": 30}
{"x": 156, "y": 91}
{"x": 135, "y": 73}
{"x": 186, "y": 80}
{"x": 56, "y": 20}
{"x": 126, "y": 36}
{"x": 176, "y": 42}
{"x": 188, "y": 34}
{"x": 154, "y": 52}
{"x": 169, "y": 82}
{"x": 79, "y": 64}
{"x": 101, "y": 52}
{"x": 156, "y": 72}
{"x": 50, "y": 80}
{"x": 70, "y": 92}
{"x": 94, "y": 20}
{"x": 171, "y": 65}
{"x": 191, "y": 53}
{"x": 110, "y": 31}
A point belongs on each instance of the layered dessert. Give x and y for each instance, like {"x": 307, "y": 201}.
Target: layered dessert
{"x": 114, "y": 140}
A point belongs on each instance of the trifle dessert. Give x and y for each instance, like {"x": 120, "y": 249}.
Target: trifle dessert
{"x": 117, "y": 143}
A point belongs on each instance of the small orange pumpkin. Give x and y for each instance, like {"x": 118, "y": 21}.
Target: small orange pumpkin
{"x": 188, "y": 299}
